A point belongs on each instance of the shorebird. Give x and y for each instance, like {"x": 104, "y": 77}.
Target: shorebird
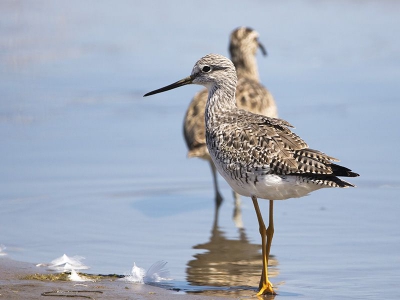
{"x": 259, "y": 156}
{"x": 250, "y": 95}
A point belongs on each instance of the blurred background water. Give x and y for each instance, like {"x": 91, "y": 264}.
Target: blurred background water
{"x": 88, "y": 167}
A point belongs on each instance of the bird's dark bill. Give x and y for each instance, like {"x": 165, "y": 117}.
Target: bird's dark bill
{"x": 182, "y": 82}
{"x": 262, "y": 48}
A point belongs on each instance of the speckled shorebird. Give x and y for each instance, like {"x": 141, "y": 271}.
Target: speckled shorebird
{"x": 250, "y": 95}
{"x": 260, "y": 157}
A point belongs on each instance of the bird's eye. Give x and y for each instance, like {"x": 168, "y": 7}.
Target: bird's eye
{"x": 206, "y": 69}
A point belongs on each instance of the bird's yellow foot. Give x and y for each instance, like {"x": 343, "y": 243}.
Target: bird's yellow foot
{"x": 266, "y": 289}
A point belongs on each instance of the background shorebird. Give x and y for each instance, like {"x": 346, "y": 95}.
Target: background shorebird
{"x": 258, "y": 156}
{"x": 250, "y": 95}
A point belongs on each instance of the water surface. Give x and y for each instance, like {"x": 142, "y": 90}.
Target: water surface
{"x": 90, "y": 168}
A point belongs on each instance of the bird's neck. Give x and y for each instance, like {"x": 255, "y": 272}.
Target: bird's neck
{"x": 246, "y": 66}
{"x": 220, "y": 100}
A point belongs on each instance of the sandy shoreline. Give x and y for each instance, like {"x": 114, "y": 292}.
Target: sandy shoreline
{"x": 14, "y": 286}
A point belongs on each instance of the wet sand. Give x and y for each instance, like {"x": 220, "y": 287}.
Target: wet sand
{"x": 14, "y": 286}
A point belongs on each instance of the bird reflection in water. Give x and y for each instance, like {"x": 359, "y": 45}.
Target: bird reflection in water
{"x": 228, "y": 267}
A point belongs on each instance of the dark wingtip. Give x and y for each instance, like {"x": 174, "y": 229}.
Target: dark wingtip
{"x": 347, "y": 184}
{"x": 338, "y": 170}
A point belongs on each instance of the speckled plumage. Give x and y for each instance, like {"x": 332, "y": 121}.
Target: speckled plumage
{"x": 250, "y": 95}
{"x": 250, "y": 149}
{"x": 257, "y": 155}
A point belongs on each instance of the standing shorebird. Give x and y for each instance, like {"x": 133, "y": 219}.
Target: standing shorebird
{"x": 258, "y": 156}
{"x": 250, "y": 95}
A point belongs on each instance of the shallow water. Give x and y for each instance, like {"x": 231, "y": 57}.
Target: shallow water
{"x": 90, "y": 168}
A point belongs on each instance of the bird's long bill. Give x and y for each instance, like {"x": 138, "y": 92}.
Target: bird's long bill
{"x": 182, "y": 82}
{"x": 262, "y": 48}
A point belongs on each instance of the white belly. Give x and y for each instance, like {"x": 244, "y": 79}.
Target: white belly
{"x": 270, "y": 187}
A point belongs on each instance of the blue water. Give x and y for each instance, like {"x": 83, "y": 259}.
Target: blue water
{"x": 88, "y": 167}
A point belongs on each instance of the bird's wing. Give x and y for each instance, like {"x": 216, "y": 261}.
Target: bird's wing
{"x": 270, "y": 146}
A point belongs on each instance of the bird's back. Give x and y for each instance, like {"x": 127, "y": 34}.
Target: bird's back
{"x": 254, "y": 97}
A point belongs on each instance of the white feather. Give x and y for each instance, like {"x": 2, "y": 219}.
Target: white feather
{"x": 65, "y": 263}
{"x": 157, "y": 272}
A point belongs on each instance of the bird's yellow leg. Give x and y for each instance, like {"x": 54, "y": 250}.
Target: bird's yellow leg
{"x": 265, "y": 287}
{"x": 270, "y": 232}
